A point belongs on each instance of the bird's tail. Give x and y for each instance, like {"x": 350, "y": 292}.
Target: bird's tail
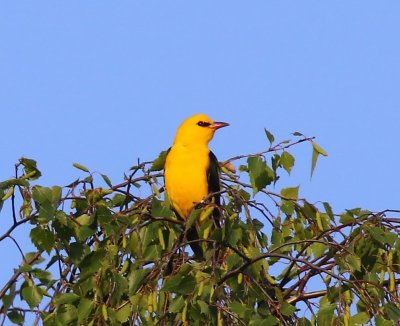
{"x": 193, "y": 239}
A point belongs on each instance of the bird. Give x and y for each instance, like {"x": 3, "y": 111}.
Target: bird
{"x": 191, "y": 171}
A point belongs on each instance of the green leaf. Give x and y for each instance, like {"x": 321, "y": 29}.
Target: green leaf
{"x": 41, "y": 194}
{"x": 382, "y": 236}
{"x": 78, "y": 251}
{"x": 177, "y": 304}
{"x": 65, "y": 298}
{"x": 235, "y": 236}
{"x": 354, "y": 262}
{"x": 240, "y": 309}
{"x": 92, "y": 262}
{"x": 179, "y": 283}
{"x": 44, "y": 276}
{"x": 8, "y": 194}
{"x": 9, "y": 298}
{"x": 84, "y": 309}
{"x": 261, "y": 175}
{"x": 1, "y": 201}
{"x": 66, "y": 314}
{"x": 392, "y": 311}
{"x": 103, "y": 215}
{"x": 314, "y": 159}
{"x": 118, "y": 200}
{"x": 276, "y": 237}
{"x": 287, "y": 161}
{"x": 47, "y": 199}
{"x": 243, "y": 168}
{"x": 290, "y": 193}
{"x": 325, "y": 313}
{"x": 88, "y": 179}
{"x": 160, "y": 209}
{"x": 194, "y": 216}
{"x": 124, "y": 313}
{"x": 152, "y": 252}
{"x": 204, "y": 307}
{"x": 257, "y": 320}
{"x": 81, "y": 167}
{"x": 367, "y": 250}
{"x": 287, "y": 207}
{"x": 159, "y": 162}
{"x": 328, "y": 210}
{"x": 303, "y": 321}
{"x": 63, "y": 226}
{"x": 346, "y": 218}
{"x": 32, "y": 295}
{"x": 287, "y": 309}
{"x": 361, "y": 318}
{"x": 151, "y": 234}
{"x": 317, "y": 150}
{"x": 136, "y": 279}
{"x": 13, "y": 182}
{"x": 106, "y": 180}
{"x": 85, "y": 284}
{"x": 30, "y": 168}
{"x": 43, "y": 239}
{"x": 244, "y": 194}
{"x": 270, "y": 136}
{"x": 380, "y": 321}
{"x": 15, "y": 317}
{"x": 318, "y": 249}
{"x": 56, "y": 193}
{"x": 84, "y": 226}
{"x": 233, "y": 260}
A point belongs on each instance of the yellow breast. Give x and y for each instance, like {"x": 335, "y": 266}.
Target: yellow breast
{"x": 186, "y": 177}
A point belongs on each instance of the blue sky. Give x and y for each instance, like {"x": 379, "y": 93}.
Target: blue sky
{"x": 104, "y": 83}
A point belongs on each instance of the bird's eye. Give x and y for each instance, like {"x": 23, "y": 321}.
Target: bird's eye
{"x": 203, "y": 124}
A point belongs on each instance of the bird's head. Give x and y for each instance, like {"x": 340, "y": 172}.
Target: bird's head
{"x": 197, "y": 129}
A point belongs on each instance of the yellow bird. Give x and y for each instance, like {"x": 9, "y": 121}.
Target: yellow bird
{"x": 191, "y": 170}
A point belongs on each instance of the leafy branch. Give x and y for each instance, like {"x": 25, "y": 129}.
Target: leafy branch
{"x": 116, "y": 253}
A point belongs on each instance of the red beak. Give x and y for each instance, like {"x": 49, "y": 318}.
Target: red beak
{"x": 216, "y": 125}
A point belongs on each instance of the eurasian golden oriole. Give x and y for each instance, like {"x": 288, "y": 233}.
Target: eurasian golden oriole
{"x": 191, "y": 170}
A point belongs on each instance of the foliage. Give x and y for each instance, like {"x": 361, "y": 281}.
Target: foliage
{"x": 106, "y": 255}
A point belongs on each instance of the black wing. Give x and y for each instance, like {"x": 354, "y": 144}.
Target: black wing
{"x": 214, "y": 185}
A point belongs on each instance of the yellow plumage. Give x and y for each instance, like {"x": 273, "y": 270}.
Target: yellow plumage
{"x": 185, "y": 177}
{"x": 189, "y": 162}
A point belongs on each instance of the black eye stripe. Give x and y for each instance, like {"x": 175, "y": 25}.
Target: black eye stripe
{"x": 203, "y": 124}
